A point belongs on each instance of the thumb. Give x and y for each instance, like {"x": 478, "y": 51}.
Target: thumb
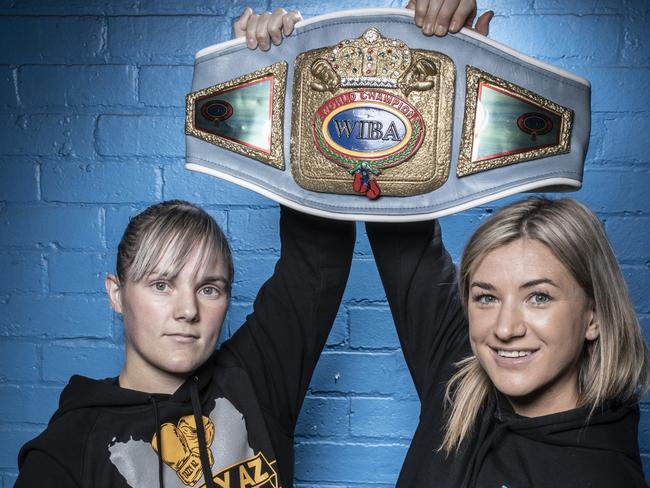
{"x": 483, "y": 23}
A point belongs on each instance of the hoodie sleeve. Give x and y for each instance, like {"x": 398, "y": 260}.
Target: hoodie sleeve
{"x": 40, "y": 470}
{"x": 280, "y": 342}
{"x": 420, "y": 283}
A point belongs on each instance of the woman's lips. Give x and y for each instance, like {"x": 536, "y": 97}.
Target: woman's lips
{"x": 182, "y": 338}
{"x": 512, "y": 357}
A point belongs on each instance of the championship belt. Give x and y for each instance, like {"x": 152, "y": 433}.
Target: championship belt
{"x": 359, "y": 116}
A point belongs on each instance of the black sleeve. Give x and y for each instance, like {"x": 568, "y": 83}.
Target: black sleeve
{"x": 419, "y": 278}
{"x": 38, "y": 470}
{"x": 280, "y": 342}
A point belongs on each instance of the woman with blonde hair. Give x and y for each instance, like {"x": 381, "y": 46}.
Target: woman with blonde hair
{"x": 545, "y": 392}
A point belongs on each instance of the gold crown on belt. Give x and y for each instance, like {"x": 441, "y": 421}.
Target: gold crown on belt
{"x": 370, "y": 60}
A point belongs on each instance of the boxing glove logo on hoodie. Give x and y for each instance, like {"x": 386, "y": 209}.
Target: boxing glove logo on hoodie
{"x": 180, "y": 447}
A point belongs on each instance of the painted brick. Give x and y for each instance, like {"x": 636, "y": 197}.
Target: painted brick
{"x": 117, "y": 218}
{"x": 339, "y": 333}
{"x": 362, "y": 373}
{"x": 645, "y": 460}
{"x": 457, "y": 229}
{"x": 628, "y": 83}
{"x": 47, "y": 135}
{"x": 114, "y": 182}
{"x": 97, "y": 361}
{"x": 140, "y": 135}
{"x": 349, "y": 463}
{"x": 311, "y": 9}
{"x": 615, "y": 191}
{"x": 8, "y": 479}
{"x": 323, "y": 417}
{"x": 506, "y": 7}
{"x": 164, "y": 86}
{"x": 638, "y": 282}
{"x": 207, "y": 190}
{"x": 523, "y": 33}
{"x": 384, "y": 417}
{"x": 237, "y": 314}
{"x": 591, "y": 7}
{"x": 77, "y": 272}
{"x": 364, "y": 282}
{"x": 7, "y": 87}
{"x": 625, "y": 139}
{"x": 362, "y": 244}
{"x": 176, "y": 7}
{"x": 18, "y": 180}
{"x": 67, "y": 227}
{"x": 644, "y": 321}
{"x": 221, "y": 217}
{"x": 119, "y": 7}
{"x": 636, "y": 49}
{"x": 236, "y": 7}
{"x": 596, "y": 148}
{"x": 18, "y": 361}
{"x": 21, "y": 272}
{"x": 77, "y": 85}
{"x": 55, "y": 316}
{"x": 12, "y": 440}
{"x": 251, "y": 272}
{"x": 372, "y": 328}
{"x": 51, "y": 40}
{"x": 255, "y": 229}
{"x": 31, "y": 404}
{"x": 148, "y": 39}
{"x": 630, "y": 237}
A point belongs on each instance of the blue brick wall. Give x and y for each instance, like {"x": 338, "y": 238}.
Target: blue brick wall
{"x": 91, "y": 116}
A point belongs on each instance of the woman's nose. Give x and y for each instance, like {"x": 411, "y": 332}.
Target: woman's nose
{"x": 186, "y": 306}
{"x": 510, "y": 322}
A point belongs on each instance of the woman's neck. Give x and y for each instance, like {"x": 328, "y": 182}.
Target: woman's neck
{"x": 163, "y": 383}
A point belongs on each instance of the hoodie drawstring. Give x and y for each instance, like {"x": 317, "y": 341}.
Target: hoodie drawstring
{"x": 161, "y": 483}
{"x": 198, "y": 419}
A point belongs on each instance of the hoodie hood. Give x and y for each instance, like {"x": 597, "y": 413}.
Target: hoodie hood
{"x": 573, "y": 448}
{"x": 612, "y": 427}
{"x": 82, "y": 392}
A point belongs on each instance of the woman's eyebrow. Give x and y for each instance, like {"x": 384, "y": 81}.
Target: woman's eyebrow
{"x": 213, "y": 278}
{"x": 483, "y": 284}
{"x": 539, "y": 281}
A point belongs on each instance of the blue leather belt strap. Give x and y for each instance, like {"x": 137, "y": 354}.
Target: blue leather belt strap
{"x": 359, "y": 116}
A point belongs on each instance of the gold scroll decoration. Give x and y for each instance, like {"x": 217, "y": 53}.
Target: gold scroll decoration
{"x": 506, "y": 124}
{"x": 244, "y": 115}
{"x": 412, "y": 88}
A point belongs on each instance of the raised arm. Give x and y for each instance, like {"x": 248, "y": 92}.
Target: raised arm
{"x": 280, "y": 342}
{"x": 420, "y": 283}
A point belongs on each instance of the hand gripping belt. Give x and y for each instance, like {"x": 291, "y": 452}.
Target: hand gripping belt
{"x": 358, "y": 116}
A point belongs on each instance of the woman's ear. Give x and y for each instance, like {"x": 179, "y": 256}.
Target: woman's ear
{"x": 593, "y": 327}
{"x": 114, "y": 292}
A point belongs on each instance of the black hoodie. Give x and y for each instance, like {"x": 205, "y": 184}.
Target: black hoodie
{"x": 234, "y": 418}
{"x": 505, "y": 450}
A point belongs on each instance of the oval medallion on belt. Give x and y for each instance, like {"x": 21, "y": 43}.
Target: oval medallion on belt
{"x": 366, "y": 131}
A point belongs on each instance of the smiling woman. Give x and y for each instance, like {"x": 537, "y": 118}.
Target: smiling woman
{"x": 540, "y": 281}
{"x": 529, "y": 321}
{"x": 535, "y": 359}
